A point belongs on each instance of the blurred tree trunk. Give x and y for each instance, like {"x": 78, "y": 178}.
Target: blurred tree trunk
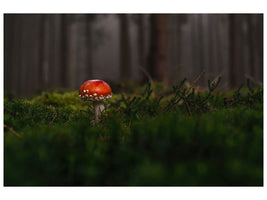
{"x": 201, "y": 43}
{"x": 51, "y": 50}
{"x": 212, "y": 47}
{"x": 259, "y": 19}
{"x": 255, "y": 23}
{"x": 72, "y": 51}
{"x": 83, "y": 54}
{"x": 9, "y": 47}
{"x": 33, "y": 59}
{"x": 41, "y": 53}
{"x": 25, "y": 51}
{"x": 46, "y": 49}
{"x": 56, "y": 46}
{"x": 64, "y": 50}
{"x": 89, "y": 68}
{"x": 141, "y": 42}
{"x": 158, "y": 58}
{"x": 179, "y": 21}
{"x": 16, "y": 54}
{"x": 195, "y": 44}
{"x": 125, "y": 49}
{"x": 234, "y": 50}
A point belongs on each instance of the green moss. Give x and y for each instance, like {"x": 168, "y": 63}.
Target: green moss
{"x": 141, "y": 140}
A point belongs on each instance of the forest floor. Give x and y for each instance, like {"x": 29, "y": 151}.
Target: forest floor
{"x": 151, "y": 136}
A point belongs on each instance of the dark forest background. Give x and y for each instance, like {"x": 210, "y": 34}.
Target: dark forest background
{"x": 47, "y": 51}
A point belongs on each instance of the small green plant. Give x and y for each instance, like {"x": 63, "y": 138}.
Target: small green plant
{"x": 245, "y": 96}
{"x": 192, "y": 102}
{"x": 141, "y": 106}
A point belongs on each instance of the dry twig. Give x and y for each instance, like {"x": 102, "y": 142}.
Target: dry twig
{"x": 11, "y": 130}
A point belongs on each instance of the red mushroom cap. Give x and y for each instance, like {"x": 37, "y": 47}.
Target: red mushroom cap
{"x": 95, "y": 90}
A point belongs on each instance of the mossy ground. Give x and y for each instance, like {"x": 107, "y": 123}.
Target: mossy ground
{"x": 144, "y": 139}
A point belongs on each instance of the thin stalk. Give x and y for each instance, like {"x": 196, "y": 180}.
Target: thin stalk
{"x": 99, "y": 108}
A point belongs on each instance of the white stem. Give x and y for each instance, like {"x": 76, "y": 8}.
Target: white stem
{"x": 99, "y": 108}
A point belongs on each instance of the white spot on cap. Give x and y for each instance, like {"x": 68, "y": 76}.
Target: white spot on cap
{"x": 95, "y": 94}
{"x": 87, "y": 91}
{"x": 84, "y": 91}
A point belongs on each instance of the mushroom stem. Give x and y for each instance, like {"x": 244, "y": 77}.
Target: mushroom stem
{"x": 99, "y": 108}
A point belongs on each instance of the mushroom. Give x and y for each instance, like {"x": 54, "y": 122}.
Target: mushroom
{"x": 97, "y": 91}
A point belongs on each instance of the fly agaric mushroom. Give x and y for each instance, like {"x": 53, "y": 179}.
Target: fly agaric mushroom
{"x": 96, "y": 91}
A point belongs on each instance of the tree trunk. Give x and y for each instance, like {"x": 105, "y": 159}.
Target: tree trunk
{"x": 9, "y": 36}
{"x": 125, "y": 49}
{"x": 234, "y": 61}
{"x": 16, "y": 53}
{"x": 72, "y": 52}
{"x": 256, "y": 46}
{"x": 260, "y": 45}
{"x": 40, "y": 75}
{"x": 89, "y": 67}
{"x": 158, "y": 59}
{"x": 141, "y": 42}
{"x": 64, "y": 50}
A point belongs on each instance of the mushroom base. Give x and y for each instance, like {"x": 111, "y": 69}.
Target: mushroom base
{"x": 99, "y": 108}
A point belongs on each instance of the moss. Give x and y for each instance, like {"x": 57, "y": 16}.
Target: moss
{"x": 141, "y": 140}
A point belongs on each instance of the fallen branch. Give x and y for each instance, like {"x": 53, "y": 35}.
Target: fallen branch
{"x": 11, "y": 130}
{"x": 188, "y": 108}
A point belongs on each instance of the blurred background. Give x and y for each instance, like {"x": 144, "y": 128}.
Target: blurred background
{"x": 48, "y": 51}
